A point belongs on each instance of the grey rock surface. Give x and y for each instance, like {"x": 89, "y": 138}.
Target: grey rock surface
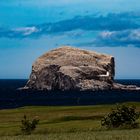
{"x": 69, "y": 68}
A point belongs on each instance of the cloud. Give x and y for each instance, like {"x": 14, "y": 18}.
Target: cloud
{"x": 20, "y": 32}
{"x": 120, "y": 38}
{"x": 112, "y": 22}
{"x": 123, "y": 38}
{"x": 114, "y": 29}
{"x": 25, "y": 30}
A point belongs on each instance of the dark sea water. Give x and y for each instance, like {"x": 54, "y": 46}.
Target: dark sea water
{"x": 10, "y": 97}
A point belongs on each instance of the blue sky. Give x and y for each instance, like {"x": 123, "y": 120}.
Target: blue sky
{"x": 29, "y": 28}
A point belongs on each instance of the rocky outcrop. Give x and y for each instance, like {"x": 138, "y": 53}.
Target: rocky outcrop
{"x": 117, "y": 86}
{"x": 69, "y": 68}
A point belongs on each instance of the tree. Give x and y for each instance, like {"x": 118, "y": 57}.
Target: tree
{"x": 121, "y": 116}
{"x": 28, "y": 126}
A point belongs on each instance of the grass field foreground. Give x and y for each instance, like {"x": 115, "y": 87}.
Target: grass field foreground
{"x": 103, "y": 135}
{"x": 65, "y": 123}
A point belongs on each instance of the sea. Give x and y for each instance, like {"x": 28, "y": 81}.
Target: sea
{"x": 10, "y": 97}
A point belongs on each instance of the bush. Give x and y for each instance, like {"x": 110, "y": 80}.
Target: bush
{"x": 28, "y": 126}
{"x": 121, "y": 116}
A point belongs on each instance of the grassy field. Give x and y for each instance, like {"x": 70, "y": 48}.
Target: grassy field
{"x": 63, "y": 123}
{"x": 103, "y": 135}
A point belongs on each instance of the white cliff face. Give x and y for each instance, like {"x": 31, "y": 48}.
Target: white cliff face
{"x": 69, "y": 68}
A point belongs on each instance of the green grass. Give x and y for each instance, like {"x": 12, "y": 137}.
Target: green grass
{"x": 97, "y": 135}
{"x": 58, "y": 123}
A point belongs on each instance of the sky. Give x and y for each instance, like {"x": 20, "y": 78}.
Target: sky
{"x": 29, "y": 28}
